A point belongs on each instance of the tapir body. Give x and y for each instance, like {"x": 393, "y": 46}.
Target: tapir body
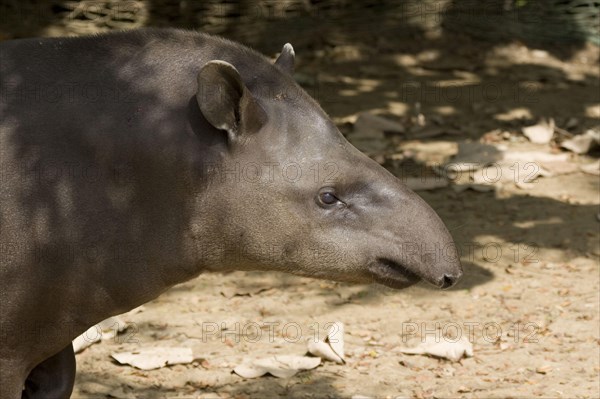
{"x": 134, "y": 161}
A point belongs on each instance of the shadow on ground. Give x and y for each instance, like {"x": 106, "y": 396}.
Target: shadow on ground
{"x": 303, "y": 384}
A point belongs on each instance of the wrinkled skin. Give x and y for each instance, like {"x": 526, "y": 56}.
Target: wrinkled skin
{"x": 153, "y": 156}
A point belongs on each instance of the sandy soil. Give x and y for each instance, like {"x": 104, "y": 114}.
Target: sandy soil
{"x": 529, "y": 300}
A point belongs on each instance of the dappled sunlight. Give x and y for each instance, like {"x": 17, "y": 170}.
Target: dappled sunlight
{"x": 515, "y": 114}
{"x": 442, "y": 90}
{"x": 446, "y": 110}
{"x": 527, "y": 224}
{"x": 593, "y": 111}
{"x": 398, "y": 108}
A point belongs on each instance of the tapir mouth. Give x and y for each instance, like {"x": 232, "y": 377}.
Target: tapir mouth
{"x": 392, "y": 274}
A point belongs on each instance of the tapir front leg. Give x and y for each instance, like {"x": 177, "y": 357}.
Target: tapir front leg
{"x": 52, "y": 378}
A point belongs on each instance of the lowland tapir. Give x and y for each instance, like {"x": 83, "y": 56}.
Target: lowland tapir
{"x": 133, "y": 161}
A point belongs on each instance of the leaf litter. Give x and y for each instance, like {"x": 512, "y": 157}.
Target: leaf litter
{"x": 444, "y": 348}
{"x": 154, "y": 358}
{"x": 286, "y": 366}
{"x": 540, "y": 133}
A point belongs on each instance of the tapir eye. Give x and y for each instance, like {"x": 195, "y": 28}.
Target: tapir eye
{"x": 327, "y": 197}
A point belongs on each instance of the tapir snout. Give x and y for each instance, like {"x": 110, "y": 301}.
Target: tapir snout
{"x": 406, "y": 240}
{"x": 426, "y": 248}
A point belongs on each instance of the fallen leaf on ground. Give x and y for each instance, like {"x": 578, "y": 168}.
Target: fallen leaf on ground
{"x": 559, "y": 167}
{"x": 591, "y": 168}
{"x": 541, "y": 133}
{"x": 583, "y": 143}
{"x": 106, "y": 329}
{"x": 374, "y": 126}
{"x": 335, "y": 338}
{"x": 446, "y": 349}
{"x": 504, "y": 172}
{"x": 368, "y": 133}
{"x": 154, "y": 358}
{"x": 332, "y": 348}
{"x": 284, "y": 366}
{"x": 534, "y": 156}
{"x": 473, "y": 156}
{"x": 494, "y": 164}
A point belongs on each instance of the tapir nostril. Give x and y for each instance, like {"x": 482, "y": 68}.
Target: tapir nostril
{"x": 448, "y": 281}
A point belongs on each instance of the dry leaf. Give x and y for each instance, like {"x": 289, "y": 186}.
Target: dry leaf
{"x": 369, "y": 130}
{"x": 583, "y": 143}
{"x": 517, "y": 172}
{"x": 453, "y": 351}
{"x": 106, "y": 329}
{"x": 332, "y": 348}
{"x": 284, "y": 366}
{"x": 473, "y": 156}
{"x": 518, "y": 167}
{"x": 154, "y": 358}
{"x": 374, "y": 126}
{"x": 534, "y": 156}
{"x": 591, "y": 168}
{"x": 335, "y": 338}
{"x": 541, "y": 133}
{"x": 559, "y": 167}
{"x": 323, "y": 350}
{"x": 88, "y": 338}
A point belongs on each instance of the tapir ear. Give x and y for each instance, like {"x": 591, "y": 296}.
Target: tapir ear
{"x": 226, "y": 102}
{"x": 286, "y": 59}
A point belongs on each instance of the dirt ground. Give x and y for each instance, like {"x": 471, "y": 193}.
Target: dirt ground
{"x": 529, "y": 300}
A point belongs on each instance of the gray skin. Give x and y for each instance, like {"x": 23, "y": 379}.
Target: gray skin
{"x": 134, "y": 161}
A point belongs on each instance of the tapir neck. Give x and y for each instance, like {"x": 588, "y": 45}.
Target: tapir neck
{"x": 101, "y": 184}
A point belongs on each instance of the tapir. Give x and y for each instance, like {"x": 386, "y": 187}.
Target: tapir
{"x": 134, "y": 161}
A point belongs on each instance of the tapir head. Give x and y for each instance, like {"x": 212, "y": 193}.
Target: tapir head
{"x": 294, "y": 195}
